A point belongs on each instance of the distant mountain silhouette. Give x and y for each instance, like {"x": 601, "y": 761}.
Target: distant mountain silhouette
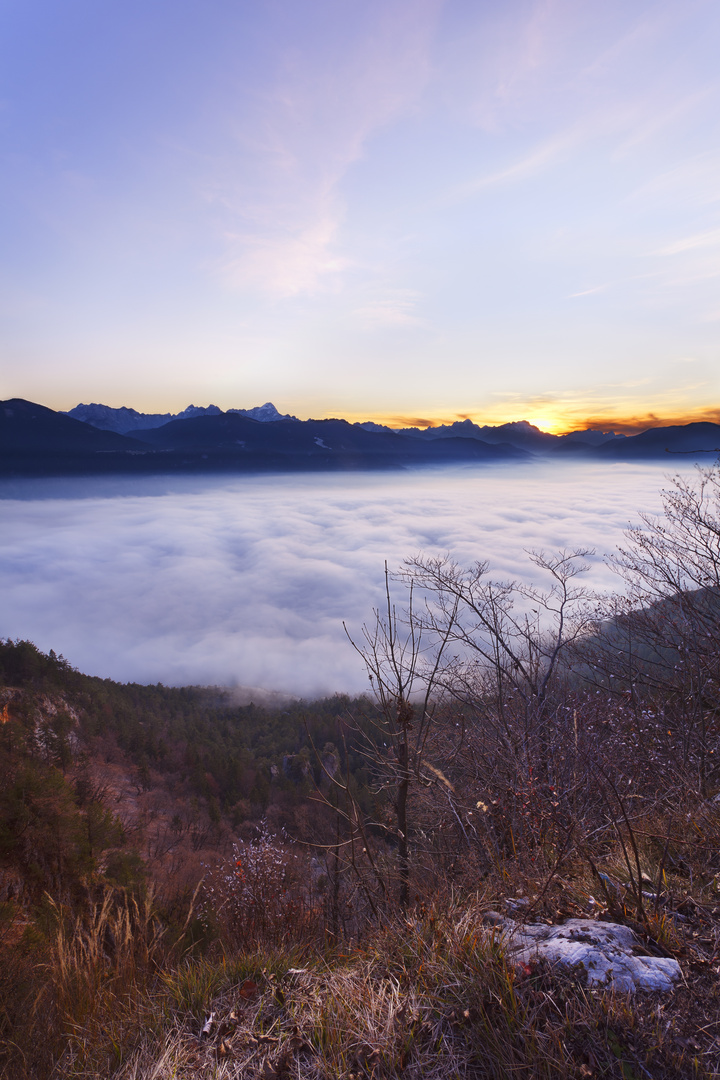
{"x": 314, "y": 442}
{"x": 266, "y": 413}
{"x": 590, "y": 437}
{"x": 698, "y": 439}
{"x": 29, "y": 428}
{"x": 519, "y": 433}
{"x": 124, "y": 420}
{"x": 35, "y": 441}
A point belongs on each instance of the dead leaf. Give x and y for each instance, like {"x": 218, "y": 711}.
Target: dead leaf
{"x": 248, "y": 989}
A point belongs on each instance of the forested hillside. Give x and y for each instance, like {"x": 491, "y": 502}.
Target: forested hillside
{"x": 146, "y": 777}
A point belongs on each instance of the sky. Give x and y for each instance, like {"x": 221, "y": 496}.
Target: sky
{"x": 251, "y": 581}
{"x": 412, "y": 211}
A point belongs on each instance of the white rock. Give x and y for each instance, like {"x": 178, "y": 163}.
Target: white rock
{"x": 610, "y": 954}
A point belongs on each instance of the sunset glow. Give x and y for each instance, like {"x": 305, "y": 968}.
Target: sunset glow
{"x": 556, "y": 424}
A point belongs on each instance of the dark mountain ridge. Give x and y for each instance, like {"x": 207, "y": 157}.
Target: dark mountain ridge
{"x": 28, "y": 428}
{"x": 36, "y": 441}
{"x": 698, "y": 438}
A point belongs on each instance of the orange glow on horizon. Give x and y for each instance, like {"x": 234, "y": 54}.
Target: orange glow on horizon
{"x": 632, "y": 425}
{"x": 560, "y": 423}
{"x": 556, "y": 417}
{"x": 545, "y": 423}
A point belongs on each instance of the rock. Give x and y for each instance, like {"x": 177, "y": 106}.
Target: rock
{"x": 513, "y": 904}
{"x": 608, "y": 954}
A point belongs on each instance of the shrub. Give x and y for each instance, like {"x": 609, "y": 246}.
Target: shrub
{"x": 257, "y": 896}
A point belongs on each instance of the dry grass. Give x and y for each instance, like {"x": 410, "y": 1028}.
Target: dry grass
{"x": 83, "y": 986}
{"x": 112, "y": 994}
{"x": 428, "y": 997}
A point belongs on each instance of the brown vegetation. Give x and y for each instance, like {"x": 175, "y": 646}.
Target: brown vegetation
{"x": 191, "y": 888}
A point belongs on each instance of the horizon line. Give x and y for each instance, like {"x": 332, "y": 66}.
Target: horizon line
{"x": 551, "y": 422}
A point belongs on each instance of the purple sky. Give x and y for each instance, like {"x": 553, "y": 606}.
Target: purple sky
{"x": 389, "y": 209}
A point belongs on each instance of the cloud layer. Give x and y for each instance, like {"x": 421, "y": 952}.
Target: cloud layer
{"x": 249, "y": 581}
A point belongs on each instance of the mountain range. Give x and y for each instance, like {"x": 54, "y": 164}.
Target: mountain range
{"x": 97, "y": 439}
{"x": 124, "y": 420}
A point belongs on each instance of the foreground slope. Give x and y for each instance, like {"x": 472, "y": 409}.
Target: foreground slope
{"x": 108, "y": 969}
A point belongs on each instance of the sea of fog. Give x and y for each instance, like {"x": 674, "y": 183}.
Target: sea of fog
{"x": 247, "y": 580}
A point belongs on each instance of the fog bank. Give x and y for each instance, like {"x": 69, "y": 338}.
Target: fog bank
{"x": 247, "y": 581}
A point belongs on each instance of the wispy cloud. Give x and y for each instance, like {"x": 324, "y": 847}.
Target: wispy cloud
{"x": 588, "y": 292}
{"x": 542, "y": 157}
{"x": 285, "y": 265}
{"x": 284, "y": 210}
{"x": 694, "y": 180}
{"x": 630, "y": 424}
{"x": 651, "y": 121}
{"x": 708, "y": 238}
{"x": 398, "y": 308}
{"x": 589, "y": 83}
{"x": 403, "y": 421}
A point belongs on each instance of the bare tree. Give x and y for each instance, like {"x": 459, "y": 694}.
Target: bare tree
{"x": 406, "y": 676}
{"x": 508, "y": 643}
{"x": 464, "y": 648}
{"x": 660, "y": 645}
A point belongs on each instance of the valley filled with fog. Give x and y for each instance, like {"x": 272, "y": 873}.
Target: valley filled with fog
{"x": 247, "y": 581}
